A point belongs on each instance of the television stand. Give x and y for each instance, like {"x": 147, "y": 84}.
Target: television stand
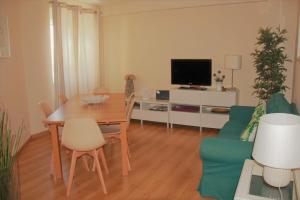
{"x": 192, "y": 88}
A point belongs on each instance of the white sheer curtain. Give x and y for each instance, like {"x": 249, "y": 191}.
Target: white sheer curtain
{"x": 88, "y": 52}
{"x": 76, "y": 50}
{"x": 69, "y": 52}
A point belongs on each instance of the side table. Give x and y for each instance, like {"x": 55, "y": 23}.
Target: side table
{"x": 252, "y": 187}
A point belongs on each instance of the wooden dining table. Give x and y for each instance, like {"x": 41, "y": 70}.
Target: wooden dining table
{"x": 111, "y": 111}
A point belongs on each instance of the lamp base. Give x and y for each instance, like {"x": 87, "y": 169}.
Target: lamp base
{"x": 277, "y": 177}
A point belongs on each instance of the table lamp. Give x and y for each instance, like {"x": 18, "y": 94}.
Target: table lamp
{"x": 233, "y": 62}
{"x": 277, "y": 147}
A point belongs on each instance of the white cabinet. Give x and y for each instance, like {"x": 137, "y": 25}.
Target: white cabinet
{"x": 213, "y": 120}
{"x": 188, "y": 107}
{"x": 215, "y": 98}
{"x": 184, "y": 118}
{"x": 213, "y": 107}
{"x": 180, "y": 96}
{"x": 151, "y": 110}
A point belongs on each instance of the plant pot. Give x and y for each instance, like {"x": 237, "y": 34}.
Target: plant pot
{"x": 219, "y": 86}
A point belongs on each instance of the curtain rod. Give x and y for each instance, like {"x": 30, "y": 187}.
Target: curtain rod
{"x": 82, "y": 9}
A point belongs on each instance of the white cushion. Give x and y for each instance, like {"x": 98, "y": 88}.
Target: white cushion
{"x": 82, "y": 134}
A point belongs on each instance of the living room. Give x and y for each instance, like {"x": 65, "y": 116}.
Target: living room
{"x": 141, "y": 38}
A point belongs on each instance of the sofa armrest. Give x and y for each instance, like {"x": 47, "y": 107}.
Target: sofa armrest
{"x": 222, "y": 163}
{"x": 241, "y": 113}
{"x": 225, "y": 150}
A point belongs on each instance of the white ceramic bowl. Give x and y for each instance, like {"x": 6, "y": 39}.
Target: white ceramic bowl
{"x": 94, "y": 99}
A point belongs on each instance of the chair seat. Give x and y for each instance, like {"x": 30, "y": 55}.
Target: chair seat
{"x": 110, "y": 129}
{"x": 82, "y": 135}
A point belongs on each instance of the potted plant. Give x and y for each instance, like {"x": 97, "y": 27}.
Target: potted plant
{"x": 269, "y": 59}
{"x": 219, "y": 78}
{"x": 9, "y": 144}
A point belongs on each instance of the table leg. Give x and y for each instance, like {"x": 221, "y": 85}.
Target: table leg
{"x": 56, "y": 152}
{"x": 124, "y": 149}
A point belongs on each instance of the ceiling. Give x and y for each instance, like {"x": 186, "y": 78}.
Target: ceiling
{"x": 101, "y": 2}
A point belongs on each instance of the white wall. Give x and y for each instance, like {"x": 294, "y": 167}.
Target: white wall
{"x": 25, "y": 77}
{"x": 142, "y": 42}
{"x": 12, "y": 79}
{"x": 296, "y": 95}
{"x": 36, "y": 58}
{"x": 296, "y": 89}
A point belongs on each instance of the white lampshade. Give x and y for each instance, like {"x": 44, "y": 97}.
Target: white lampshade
{"x": 233, "y": 61}
{"x": 277, "y": 142}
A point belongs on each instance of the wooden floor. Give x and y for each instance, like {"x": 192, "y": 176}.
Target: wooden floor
{"x": 165, "y": 166}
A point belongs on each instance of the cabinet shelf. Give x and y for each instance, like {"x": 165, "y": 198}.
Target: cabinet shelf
{"x": 215, "y": 110}
{"x": 193, "y": 108}
{"x": 185, "y": 108}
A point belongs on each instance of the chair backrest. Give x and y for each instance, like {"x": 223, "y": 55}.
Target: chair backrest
{"x": 63, "y": 99}
{"x": 101, "y": 90}
{"x": 129, "y": 108}
{"x": 82, "y": 134}
{"x": 47, "y": 110}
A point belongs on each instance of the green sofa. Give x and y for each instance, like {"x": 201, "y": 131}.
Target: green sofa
{"x": 223, "y": 156}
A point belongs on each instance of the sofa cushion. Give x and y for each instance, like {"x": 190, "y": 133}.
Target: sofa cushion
{"x": 250, "y": 131}
{"x": 278, "y": 104}
{"x": 232, "y": 130}
{"x": 294, "y": 109}
{"x": 242, "y": 114}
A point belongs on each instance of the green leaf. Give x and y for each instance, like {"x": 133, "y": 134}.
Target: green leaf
{"x": 269, "y": 59}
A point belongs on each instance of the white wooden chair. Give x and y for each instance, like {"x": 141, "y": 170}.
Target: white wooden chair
{"x": 83, "y": 137}
{"x": 112, "y": 131}
{"x": 47, "y": 110}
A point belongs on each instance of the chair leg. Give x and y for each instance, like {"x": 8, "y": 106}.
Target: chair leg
{"x": 128, "y": 156}
{"x": 95, "y": 155}
{"x": 128, "y": 163}
{"x": 72, "y": 169}
{"x": 85, "y": 163}
{"x": 103, "y": 159}
{"x": 102, "y": 156}
{"x": 52, "y": 164}
{"x": 94, "y": 166}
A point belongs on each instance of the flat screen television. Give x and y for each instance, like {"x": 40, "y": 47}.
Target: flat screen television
{"x": 191, "y": 72}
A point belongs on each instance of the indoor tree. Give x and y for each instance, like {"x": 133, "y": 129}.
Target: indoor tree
{"x": 269, "y": 59}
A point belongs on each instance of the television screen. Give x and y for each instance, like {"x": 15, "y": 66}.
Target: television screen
{"x": 191, "y": 72}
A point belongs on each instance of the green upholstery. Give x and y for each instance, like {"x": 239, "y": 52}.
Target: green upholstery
{"x": 242, "y": 114}
{"x": 294, "y": 109}
{"x": 278, "y": 104}
{"x": 232, "y": 130}
{"x": 222, "y": 166}
{"x": 223, "y": 156}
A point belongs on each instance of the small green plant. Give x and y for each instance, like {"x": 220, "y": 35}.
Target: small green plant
{"x": 269, "y": 59}
{"x": 218, "y": 76}
{"x": 9, "y": 144}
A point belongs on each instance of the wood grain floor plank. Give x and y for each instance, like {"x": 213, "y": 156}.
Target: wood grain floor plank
{"x": 165, "y": 166}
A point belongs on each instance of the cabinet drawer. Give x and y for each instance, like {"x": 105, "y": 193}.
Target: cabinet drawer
{"x": 218, "y": 98}
{"x": 185, "y": 97}
{"x": 211, "y": 120}
{"x": 191, "y": 119}
{"x": 156, "y": 116}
